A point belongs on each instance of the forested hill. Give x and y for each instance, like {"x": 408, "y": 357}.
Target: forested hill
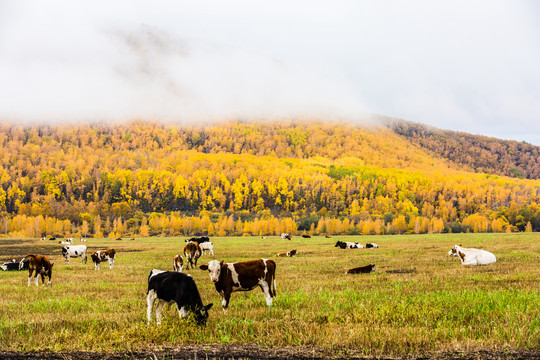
{"x": 150, "y": 178}
{"x": 475, "y": 152}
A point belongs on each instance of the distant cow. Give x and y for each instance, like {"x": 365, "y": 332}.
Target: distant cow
{"x": 39, "y": 264}
{"x": 207, "y": 246}
{"x": 104, "y": 255}
{"x": 178, "y": 263}
{"x": 174, "y": 287}
{"x": 13, "y": 265}
{"x": 348, "y": 245}
{"x": 361, "y": 270}
{"x": 470, "y": 256}
{"x": 192, "y": 252}
{"x": 74, "y": 251}
{"x": 306, "y": 236}
{"x": 198, "y": 240}
{"x": 290, "y": 253}
{"x": 285, "y": 236}
{"x": 243, "y": 276}
{"x": 371, "y": 245}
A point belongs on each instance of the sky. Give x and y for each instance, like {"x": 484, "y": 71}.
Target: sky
{"x": 471, "y": 66}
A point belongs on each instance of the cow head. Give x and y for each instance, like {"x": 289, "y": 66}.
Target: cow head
{"x": 201, "y": 314}
{"x": 214, "y": 268}
{"x": 454, "y": 251}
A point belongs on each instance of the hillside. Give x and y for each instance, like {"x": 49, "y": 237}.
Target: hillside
{"x": 240, "y": 177}
{"x": 474, "y": 152}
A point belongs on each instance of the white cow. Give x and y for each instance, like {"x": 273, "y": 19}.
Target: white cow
{"x": 470, "y": 256}
{"x": 207, "y": 246}
{"x": 75, "y": 251}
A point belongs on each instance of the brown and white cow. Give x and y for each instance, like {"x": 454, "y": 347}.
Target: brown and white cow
{"x": 39, "y": 264}
{"x": 243, "y": 276}
{"x": 103, "y": 255}
{"x": 290, "y": 253}
{"x": 192, "y": 252}
{"x": 178, "y": 263}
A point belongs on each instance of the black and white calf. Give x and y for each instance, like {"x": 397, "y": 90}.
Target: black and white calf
{"x": 13, "y": 265}
{"x": 74, "y": 251}
{"x": 174, "y": 287}
{"x": 104, "y": 255}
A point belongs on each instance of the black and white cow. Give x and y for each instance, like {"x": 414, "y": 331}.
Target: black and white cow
{"x": 372, "y": 246}
{"x": 348, "y": 245}
{"x": 174, "y": 287}
{"x": 74, "y": 251}
{"x": 243, "y": 276}
{"x": 104, "y": 255}
{"x": 199, "y": 240}
{"x": 14, "y": 265}
{"x": 362, "y": 269}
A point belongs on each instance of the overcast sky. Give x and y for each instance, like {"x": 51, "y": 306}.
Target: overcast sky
{"x": 471, "y": 66}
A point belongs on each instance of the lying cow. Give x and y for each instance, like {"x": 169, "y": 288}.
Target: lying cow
{"x": 371, "y": 245}
{"x": 348, "y": 245}
{"x": 290, "y": 253}
{"x": 362, "y": 269}
{"x": 243, "y": 276}
{"x": 173, "y": 287}
{"x": 192, "y": 252}
{"x": 285, "y": 236}
{"x": 40, "y": 265}
{"x": 178, "y": 263}
{"x": 472, "y": 256}
{"x": 13, "y": 265}
{"x": 74, "y": 251}
{"x": 207, "y": 246}
{"x": 104, "y": 255}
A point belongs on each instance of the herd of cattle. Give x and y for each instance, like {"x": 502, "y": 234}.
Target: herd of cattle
{"x": 167, "y": 287}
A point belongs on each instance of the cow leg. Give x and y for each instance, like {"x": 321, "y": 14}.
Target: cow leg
{"x": 182, "y": 312}
{"x": 226, "y": 295}
{"x": 150, "y": 299}
{"x": 267, "y": 292}
{"x": 29, "y": 276}
{"x": 159, "y": 310}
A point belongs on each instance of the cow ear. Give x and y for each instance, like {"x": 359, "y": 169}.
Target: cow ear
{"x": 203, "y": 267}
{"x": 207, "y": 307}
{"x": 460, "y": 245}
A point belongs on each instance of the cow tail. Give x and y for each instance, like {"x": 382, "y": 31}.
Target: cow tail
{"x": 274, "y": 281}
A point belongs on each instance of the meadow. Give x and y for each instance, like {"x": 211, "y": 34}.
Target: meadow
{"x": 419, "y": 300}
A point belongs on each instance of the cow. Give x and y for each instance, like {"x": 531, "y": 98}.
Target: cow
{"x": 178, "y": 263}
{"x": 242, "y": 276}
{"x": 371, "y": 245}
{"x": 198, "y": 240}
{"x": 290, "y": 253}
{"x": 362, "y": 269}
{"x": 469, "y": 256}
{"x": 192, "y": 252}
{"x": 348, "y": 245}
{"x": 83, "y": 240}
{"x": 39, "y": 264}
{"x": 306, "y": 236}
{"x": 13, "y": 265}
{"x": 207, "y": 246}
{"x": 173, "y": 287}
{"x": 74, "y": 251}
{"x": 285, "y": 236}
{"x": 103, "y": 255}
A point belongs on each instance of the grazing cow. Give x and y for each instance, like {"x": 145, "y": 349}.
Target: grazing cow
{"x": 362, "y": 269}
{"x": 243, "y": 276}
{"x": 290, "y": 253}
{"x": 74, "y": 251}
{"x": 285, "y": 236}
{"x": 14, "y": 265}
{"x": 178, "y": 263}
{"x": 52, "y": 238}
{"x": 470, "y": 256}
{"x": 207, "y": 246}
{"x": 198, "y": 240}
{"x": 371, "y": 245}
{"x": 192, "y": 252}
{"x": 348, "y": 245}
{"x": 39, "y": 264}
{"x": 83, "y": 240}
{"x": 42, "y": 238}
{"x": 172, "y": 287}
{"x": 103, "y": 255}
{"x": 306, "y": 236}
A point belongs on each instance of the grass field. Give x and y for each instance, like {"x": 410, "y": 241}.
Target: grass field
{"x": 419, "y": 300}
